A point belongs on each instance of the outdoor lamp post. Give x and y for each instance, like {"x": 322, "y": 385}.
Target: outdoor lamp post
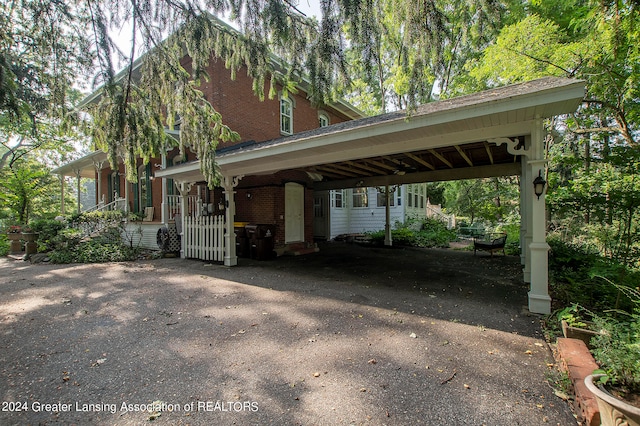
{"x": 538, "y": 184}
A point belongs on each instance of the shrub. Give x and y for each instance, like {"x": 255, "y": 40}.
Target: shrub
{"x": 573, "y": 278}
{"x": 4, "y": 245}
{"x": 417, "y": 233}
{"x": 48, "y": 230}
{"x": 617, "y": 348}
{"x": 95, "y": 237}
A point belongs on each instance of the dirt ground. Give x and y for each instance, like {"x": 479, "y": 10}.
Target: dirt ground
{"x": 349, "y": 335}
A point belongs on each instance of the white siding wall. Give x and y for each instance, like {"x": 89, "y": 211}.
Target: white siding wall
{"x": 148, "y": 238}
{"x": 354, "y": 220}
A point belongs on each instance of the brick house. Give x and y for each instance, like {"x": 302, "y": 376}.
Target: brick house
{"x": 260, "y": 199}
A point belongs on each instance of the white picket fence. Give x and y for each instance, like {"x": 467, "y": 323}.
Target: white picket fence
{"x": 203, "y": 237}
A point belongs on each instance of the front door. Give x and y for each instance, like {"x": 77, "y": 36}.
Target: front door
{"x": 320, "y": 215}
{"x": 293, "y": 212}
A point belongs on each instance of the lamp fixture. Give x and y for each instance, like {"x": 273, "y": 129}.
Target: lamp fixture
{"x": 539, "y": 184}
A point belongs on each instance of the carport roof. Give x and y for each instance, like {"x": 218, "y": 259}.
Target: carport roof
{"x": 438, "y": 141}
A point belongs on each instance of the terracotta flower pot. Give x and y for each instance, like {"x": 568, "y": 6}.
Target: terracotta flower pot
{"x": 613, "y": 411}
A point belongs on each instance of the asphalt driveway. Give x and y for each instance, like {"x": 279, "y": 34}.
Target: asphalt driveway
{"x": 350, "y": 335}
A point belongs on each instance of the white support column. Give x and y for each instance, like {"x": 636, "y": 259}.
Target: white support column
{"x": 99, "y": 195}
{"x": 230, "y": 256}
{"x": 527, "y": 207}
{"x": 535, "y": 247}
{"x": 524, "y": 185}
{"x": 62, "y": 194}
{"x": 183, "y": 188}
{"x": 539, "y": 300}
{"x": 388, "y": 238}
{"x": 164, "y": 206}
{"x": 127, "y": 185}
{"x": 77, "y": 172}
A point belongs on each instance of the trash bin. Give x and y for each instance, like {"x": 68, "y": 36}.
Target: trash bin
{"x": 242, "y": 242}
{"x": 261, "y": 241}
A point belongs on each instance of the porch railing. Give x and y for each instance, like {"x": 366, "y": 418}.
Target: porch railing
{"x": 174, "y": 205}
{"x": 117, "y": 204}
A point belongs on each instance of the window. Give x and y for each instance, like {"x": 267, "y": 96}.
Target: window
{"x": 323, "y": 120}
{"x": 337, "y": 199}
{"x": 286, "y": 116}
{"x": 360, "y": 197}
{"x": 382, "y": 199}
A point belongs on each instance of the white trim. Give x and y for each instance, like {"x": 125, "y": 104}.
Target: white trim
{"x": 286, "y": 101}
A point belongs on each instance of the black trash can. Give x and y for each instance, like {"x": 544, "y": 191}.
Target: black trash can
{"x": 261, "y": 241}
{"x": 242, "y": 242}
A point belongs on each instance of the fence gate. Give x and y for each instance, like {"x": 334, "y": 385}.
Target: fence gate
{"x": 203, "y": 237}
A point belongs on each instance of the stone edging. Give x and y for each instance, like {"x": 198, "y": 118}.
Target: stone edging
{"x": 576, "y": 360}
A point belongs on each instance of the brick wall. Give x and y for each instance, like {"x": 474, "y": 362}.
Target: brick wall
{"x": 253, "y": 119}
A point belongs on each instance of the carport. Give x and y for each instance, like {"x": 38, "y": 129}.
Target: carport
{"x": 499, "y": 132}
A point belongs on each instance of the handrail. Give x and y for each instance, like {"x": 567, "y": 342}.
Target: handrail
{"x": 117, "y": 204}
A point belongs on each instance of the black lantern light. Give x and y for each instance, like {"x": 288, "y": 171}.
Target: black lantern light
{"x": 538, "y": 184}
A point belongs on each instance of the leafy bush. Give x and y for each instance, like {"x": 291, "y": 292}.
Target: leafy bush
{"x": 95, "y": 237}
{"x": 573, "y": 278}
{"x": 48, "y": 230}
{"x": 417, "y": 233}
{"x": 617, "y": 348}
{"x": 4, "y": 245}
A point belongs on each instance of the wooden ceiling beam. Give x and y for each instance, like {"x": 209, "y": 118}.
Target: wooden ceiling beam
{"x": 441, "y": 158}
{"x": 489, "y": 153}
{"x": 381, "y": 165}
{"x": 420, "y": 161}
{"x": 350, "y": 170}
{"x": 366, "y": 167}
{"x": 335, "y": 171}
{"x": 465, "y": 156}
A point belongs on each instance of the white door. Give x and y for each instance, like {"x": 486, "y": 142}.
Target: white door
{"x": 293, "y": 212}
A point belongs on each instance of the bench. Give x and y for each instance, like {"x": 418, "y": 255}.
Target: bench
{"x": 495, "y": 244}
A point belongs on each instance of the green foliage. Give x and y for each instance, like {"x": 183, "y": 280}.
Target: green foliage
{"x": 493, "y": 199}
{"x": 4, "y": 245}
{"x": 93, "y": 237}
{"x": 617, "y": 348}
{"x": 26, "y": 190}
{"x": 575, "y": 272}
{"x": 572, "y": 315}
{"x": 417, "y": 233}
{"x": 48, "y": 230}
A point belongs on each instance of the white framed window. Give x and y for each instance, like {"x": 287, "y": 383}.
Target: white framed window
{"x": 286, "y": 116}
{"x": 323, "y": 120}
{"x": 337, "y": 199}
{"x": 382, "y": 199}
{"x": 360, "y": 197}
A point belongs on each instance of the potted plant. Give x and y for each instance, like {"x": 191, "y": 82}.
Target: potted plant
{"x": 28, "y": 235}
{"x": 14, "y": 234}
{"x": 616, "y": 385}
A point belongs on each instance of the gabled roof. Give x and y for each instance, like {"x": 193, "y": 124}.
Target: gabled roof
{"x": 340, "y": 105}
{"x": 436, "y": 138}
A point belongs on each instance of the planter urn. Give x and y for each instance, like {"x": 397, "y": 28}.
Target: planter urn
{"x": 613, "y": 411}
{"x": 16, "y": 245}
{"x": 31, "y": 246}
